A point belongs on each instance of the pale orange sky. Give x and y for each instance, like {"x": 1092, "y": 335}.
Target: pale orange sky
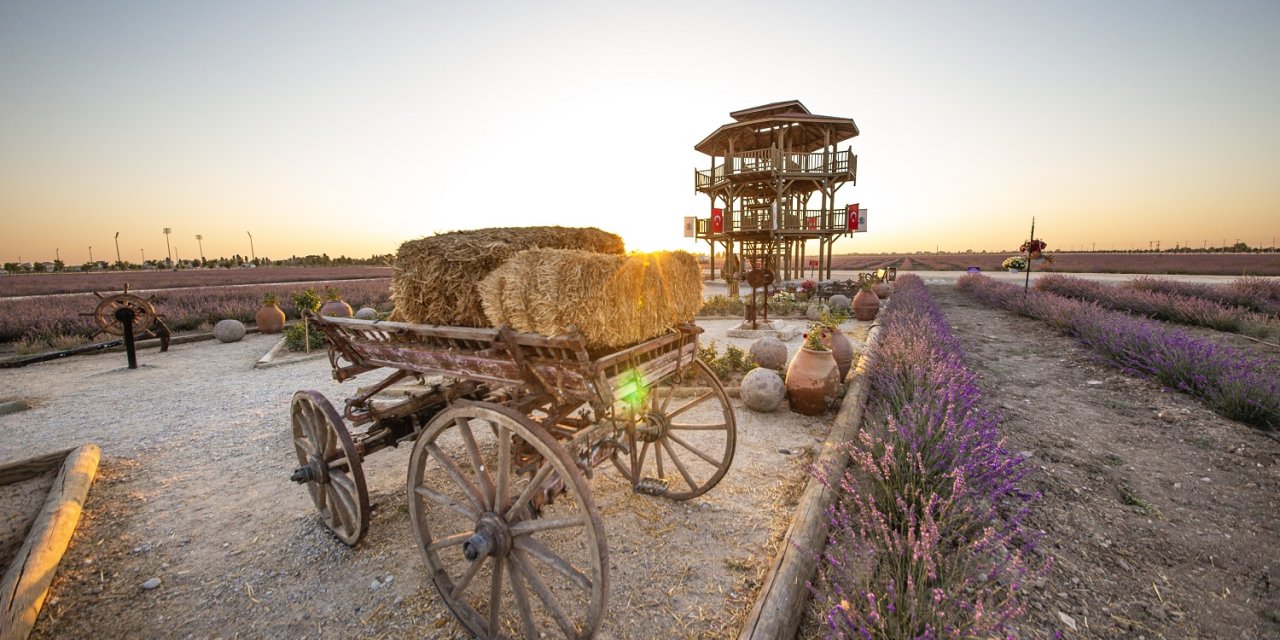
{"x": 348, "y": 129}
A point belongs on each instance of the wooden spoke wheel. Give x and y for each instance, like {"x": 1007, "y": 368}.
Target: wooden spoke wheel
{"x": 144, "y": 313}
{"x": 681, "y": 436}
{"x": 330, "y": 466}
{"x": 507, "y": 526}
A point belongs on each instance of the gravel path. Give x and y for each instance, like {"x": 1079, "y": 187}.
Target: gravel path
{"x": 194, "y": 491}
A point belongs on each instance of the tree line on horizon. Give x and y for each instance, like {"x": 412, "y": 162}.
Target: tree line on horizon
{"x": 236, "y": 261}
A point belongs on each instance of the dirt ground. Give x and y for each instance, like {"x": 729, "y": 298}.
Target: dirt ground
{"x": 1159, "y": 514}
{"x": 193, "y": 490}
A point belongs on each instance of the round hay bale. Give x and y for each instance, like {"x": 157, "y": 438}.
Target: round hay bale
{"x": 762, "y": 390}
{"x": 611, "y": 300}
{"x": 839, "y": 302}
{"x": 229, "y": 330}
{"x": 367, "y": 313}
{"x": 435, "y": 277}
{"x": 769, "y": 352}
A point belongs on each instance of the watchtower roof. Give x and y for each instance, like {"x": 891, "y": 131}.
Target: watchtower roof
{"x": 758, "y": 128}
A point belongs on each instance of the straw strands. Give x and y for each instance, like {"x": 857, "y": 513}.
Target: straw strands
{"x": 435, "y": 277}
{"x": 611, "y": 300}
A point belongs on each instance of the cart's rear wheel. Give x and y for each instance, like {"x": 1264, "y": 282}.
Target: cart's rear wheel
{"x": 330, "y": 466}
{"x": 507, "y": 526}
{"x": 681, "y": 436}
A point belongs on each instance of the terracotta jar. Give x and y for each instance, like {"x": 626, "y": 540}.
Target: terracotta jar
{"x": 841, "y": 350}
{"x": 866, "y": 305}
{"x": 269, "y": 318}
{"x": 336, "y": 308}
{"x": 813, "y": 379}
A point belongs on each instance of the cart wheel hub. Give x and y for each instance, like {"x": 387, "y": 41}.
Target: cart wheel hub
{"x": 314, "y": 471}
{"x": 653, "y": 428}
{"x": 492, "y": 538}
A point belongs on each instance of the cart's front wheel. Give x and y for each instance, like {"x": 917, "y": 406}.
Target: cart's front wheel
{"x": 681, "y": 436}
{"x": 507, "y": 526}
{"x": 329, "y": 465}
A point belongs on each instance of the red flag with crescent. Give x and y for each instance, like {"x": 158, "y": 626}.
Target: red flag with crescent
{"x": 851, "y": 214}
{"x": 717, "y": 221}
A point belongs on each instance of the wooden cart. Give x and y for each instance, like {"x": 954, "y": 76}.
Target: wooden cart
{"x": 506, "y": 429}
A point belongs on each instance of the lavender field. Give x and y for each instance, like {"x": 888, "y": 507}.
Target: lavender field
{"x": 55, "y": 321}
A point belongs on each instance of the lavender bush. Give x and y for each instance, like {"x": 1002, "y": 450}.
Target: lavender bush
{"x": 55, "y": 319}
{"x": 1160, "y": 305}
{"x": 926, "y": 537}
{"x": 1261, "y": 295}
{"x": 1232, "y": 382}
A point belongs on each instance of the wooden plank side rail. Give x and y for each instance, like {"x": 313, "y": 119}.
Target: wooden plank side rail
{"x": 26, "y": 582}
{"x": 780, "y": 605}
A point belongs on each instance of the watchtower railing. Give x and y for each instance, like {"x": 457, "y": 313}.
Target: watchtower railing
{"x": 754, "y": 163}
{"x": 790, "y": 221}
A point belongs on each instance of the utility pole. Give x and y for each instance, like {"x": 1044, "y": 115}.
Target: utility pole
{"x": 167, "y": 231}
{"x": 118, "y": 260}
{"x": 57, "y": 254}
{"x": 90, "y": 253}
{"x": 252, "y": 255}
{"x": 200, "y": 239}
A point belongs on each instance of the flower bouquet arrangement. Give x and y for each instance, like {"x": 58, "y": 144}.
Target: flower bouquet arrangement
{"x": 1014, "y": 262}
{"x": 1035, "y": 249}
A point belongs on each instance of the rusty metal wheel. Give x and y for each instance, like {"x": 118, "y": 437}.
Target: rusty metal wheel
{"x": 329, "y": 465}
{"x": 681, "y": 436}
{"x": 507, "y": 526}
{"x": 144, "y": 312}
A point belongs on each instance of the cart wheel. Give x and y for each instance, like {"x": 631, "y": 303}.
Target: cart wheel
{"x": 681, "y": 444}
{"x": 507, "y": 526}
{"x": 330, "y": 466}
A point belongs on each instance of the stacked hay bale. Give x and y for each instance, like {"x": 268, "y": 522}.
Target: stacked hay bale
{"x": 612, "y": 300}
{"x": 435, "y": 277}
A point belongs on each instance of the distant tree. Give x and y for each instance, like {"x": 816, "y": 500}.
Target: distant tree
{"x": 40, "y": 268}
{"x": 12, "y": 267}
{"x": 59, "y": 265}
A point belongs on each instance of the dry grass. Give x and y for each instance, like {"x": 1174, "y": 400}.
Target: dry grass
{"x": 611, "y": 300}
{"x": 435, "y": 277}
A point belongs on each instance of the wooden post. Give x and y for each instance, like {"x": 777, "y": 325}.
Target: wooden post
{"x": 1026, "y": 284}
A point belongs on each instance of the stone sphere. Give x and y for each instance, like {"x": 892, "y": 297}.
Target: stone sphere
{"x": 769, "y": 352}
{"x": 367, "y": 313}
{"x": 762, "y": 390}
{"x": 839, "y": 302}
{"x": 228, "y": 330}
{"x": 814, "y": 312}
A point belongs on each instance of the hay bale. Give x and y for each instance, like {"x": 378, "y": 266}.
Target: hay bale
{"x": 612, "y": 300}
{"x": 435, "y": 277}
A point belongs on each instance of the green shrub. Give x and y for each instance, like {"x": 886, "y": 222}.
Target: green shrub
{"x": 296, "y": 336}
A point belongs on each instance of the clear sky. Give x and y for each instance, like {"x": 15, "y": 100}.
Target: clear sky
{"x": 347, "y": 128}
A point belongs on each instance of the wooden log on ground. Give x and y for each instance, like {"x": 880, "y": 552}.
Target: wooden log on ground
{"x": 780, "y": 605}
{"x": 26, "y": 581}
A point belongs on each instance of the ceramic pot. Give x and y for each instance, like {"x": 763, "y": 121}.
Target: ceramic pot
{"x": 866, "y": 305}
{"x": 812, "y": 382}
{"x": 841, "y": 350}
{"x": 336, "y": 308}
{"x": 881, "y": 289}
{"x": 270, "y": 319}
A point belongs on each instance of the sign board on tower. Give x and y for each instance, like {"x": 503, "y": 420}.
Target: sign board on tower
{"x": 690, "y": 226}
{"x": 862, "y": 221}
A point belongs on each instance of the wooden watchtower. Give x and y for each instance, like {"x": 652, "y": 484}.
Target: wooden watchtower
{"x": 775, "y": 171}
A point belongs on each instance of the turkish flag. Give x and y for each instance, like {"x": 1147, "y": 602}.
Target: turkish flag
{"x": 717, "y": 221}
{"x": 851, "y": 214}
{"x": 813, "y": 223}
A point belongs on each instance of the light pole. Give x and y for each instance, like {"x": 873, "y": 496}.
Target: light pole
{"x": 90, "y": 253}
{"x": 118, "y": 260}
{"x": 57, "y": 254}
{"x": 200, "y": 239}
{"x": 252, "y": 255}
{"x": 167, "y": 248}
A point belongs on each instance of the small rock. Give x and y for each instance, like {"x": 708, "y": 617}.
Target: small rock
{"x": 151, "y": 583}
{"x": 374, "y": 585}
{"x": 388, "y": 579}
{"x": 1067, "y": 620}
{"x": 1205, "y": 479}
{"x": 785, "y": 452}
{"x": 398, "y": 600}
{"x": 1177, "y": 485}
{"x": 229, "y": 330}
{"x": 367, "y": 313}
{"x": 1093, "y": 383}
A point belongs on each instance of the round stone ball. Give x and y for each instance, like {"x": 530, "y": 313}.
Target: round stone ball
{"x": 228, "y": 330}
{"x": 762, "y": 390}
{"x": 839, "y": 301}
{"x": 814, "y": 312}
{"x": 367, "y": 313}
{"x": 769, "y": 352}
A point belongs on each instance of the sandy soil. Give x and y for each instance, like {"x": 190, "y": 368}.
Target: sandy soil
{"x": 194, "y": 490}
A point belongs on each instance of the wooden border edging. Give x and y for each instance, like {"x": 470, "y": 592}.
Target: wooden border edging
{"x": 780, "y": 605}
{"x": 26, "y": 582}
